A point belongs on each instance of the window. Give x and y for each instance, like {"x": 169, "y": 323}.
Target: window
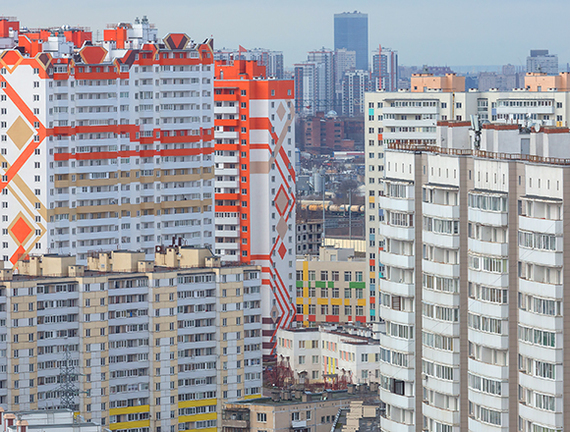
{"x": 262, "y": 417}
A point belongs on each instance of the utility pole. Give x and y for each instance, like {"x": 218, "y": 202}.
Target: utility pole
{"x": 322, "y": 178}
{"x": 350, "y": 214}
{"x": 68, "y": 378}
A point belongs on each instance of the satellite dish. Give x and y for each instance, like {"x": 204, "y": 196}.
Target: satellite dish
{"x": 536, "y": 127}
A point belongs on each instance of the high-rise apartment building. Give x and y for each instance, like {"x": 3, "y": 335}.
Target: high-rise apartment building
{"x": 150, "y": 344}
{"x": 255, "y": 182}
{"x": 385, "y": 73}
{"x": 272, "y": 60}
{"x": 351, "y": 32}
{"x": 475, "y": 261}
{"x": 411, "y": 116}
{"x": 324, "y": 58}
{"x": 105, "y": 145}
{"x": 307, "y": 87}
{"x": 541, "y": 61}
{"x": 315, "y": 82}
{"x": 344, "y": 60}
{"x": 354, "y": 85}
{"x": 474, "y": 250}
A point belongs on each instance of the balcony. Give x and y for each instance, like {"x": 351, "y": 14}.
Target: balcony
{"x": 401, "y": 317}
{"x": 448, "y": 241}
{"x": 398, "y": 288}
{"x": 397, "y": 232}
{"x": 226, "y": 110}
{"x": 546, "y": 226}
{"x": 488, "y": 248}
{"x": 441, "y": 211}
{"x": 396, "y": 260}
{"x": 549, "y": 258}
{"x": 538, "y": 288}
{"x": 389, "y": 425}
{"x": 227, "y": 159}
{"x": 298, "y": 424}
{"x": 227, "y": 233}
{"x": 389, "y": 122}
{"x": 400, "y": 401}
{"x": 525, "y": 110}
{"x": 235, "y": 418}
{"x": 226, "y": 135}
{"x": 411, "y": 110}
{"x": 488, "y": 217}
{"x": 396, "y": 204}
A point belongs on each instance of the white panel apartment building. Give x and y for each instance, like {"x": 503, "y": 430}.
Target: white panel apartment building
{"x": 474, "y": 253}
{"x": 410, "y": 117}
{"x": 321, "y": 351}
{"x": 105, "y": 145}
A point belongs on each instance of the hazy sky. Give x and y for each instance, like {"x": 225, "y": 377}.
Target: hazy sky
{"x": 436, "y": 32}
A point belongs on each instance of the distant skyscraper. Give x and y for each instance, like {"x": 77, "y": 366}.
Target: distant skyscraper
{"x": 541, "y": 61}
{"x": 314, "y": 82}
{"x": 354, "y": 84}
{"x": 385, "y": 74}
{"x": 325, "y": 77}
{"x": 351, "y": 32}
{"x": 306, "y": 94}
{"x": 344, "y": 61}
{"x": 272, "y": 60}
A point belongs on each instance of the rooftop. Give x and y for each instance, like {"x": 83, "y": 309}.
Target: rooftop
{"x": 310, "y": 397}
{"x": 514, "y": 142}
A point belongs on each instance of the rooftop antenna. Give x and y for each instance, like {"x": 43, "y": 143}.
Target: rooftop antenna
{"x": 476, "y": 126}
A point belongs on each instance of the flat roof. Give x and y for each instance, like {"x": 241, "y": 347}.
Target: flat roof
{"x": 313, "y": 397}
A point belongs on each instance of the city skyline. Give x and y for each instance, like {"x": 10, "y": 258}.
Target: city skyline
{"x": 296, "y": 33}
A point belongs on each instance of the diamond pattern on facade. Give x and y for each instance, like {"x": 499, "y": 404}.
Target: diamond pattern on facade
{"x": 281, "y": 201}
{"x": 281, "y": 111}
{"x": 17, "y": 255}
{"x": 282, "y": 250}
{"x": 20, "y": 133}
{"x": 274, "y": 314}
{"x": 282, "y": 228}
{"x": 21, "y": 230}
{"x": 10, "y": 59}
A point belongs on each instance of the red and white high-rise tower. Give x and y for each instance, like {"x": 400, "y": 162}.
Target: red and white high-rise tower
{"x": 255, "y": 182}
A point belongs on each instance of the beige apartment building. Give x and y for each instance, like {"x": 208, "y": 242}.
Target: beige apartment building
{"x": 153, "y": 344}
{"x": 330, "y": 287}
{"x": 292, "y": 411}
